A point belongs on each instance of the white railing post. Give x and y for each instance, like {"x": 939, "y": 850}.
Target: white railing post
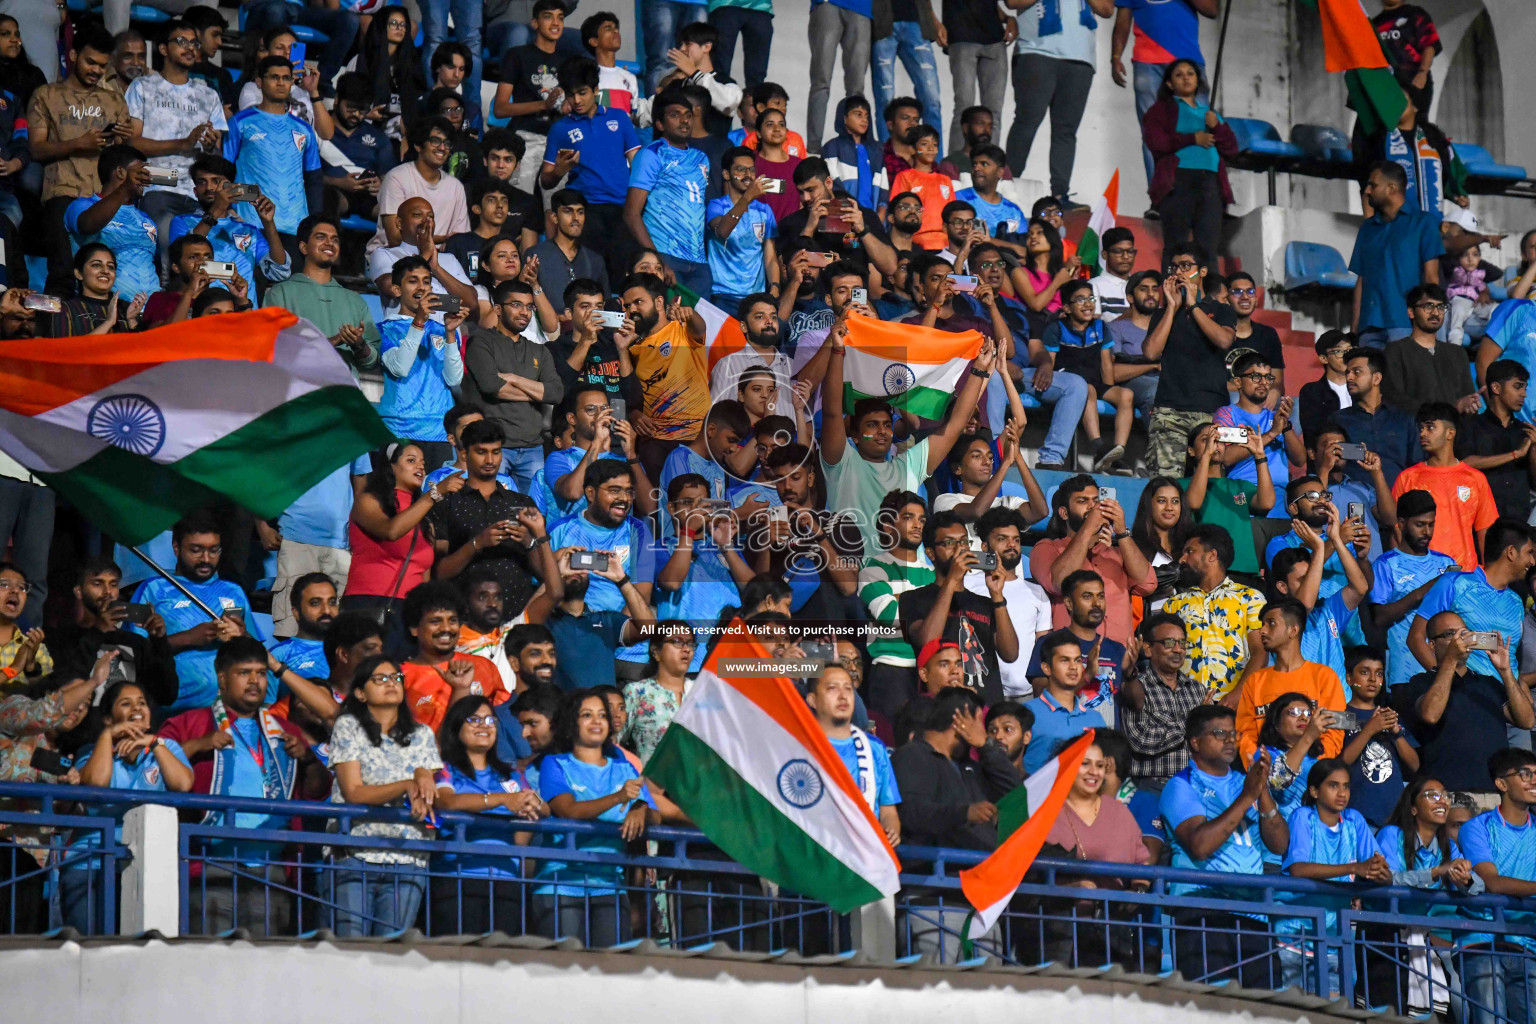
{"x": 874, "y": 929}
{"x": 150, "y": 890}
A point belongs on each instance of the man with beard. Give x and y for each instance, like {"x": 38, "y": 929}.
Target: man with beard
{"x": 816, "y": 552}
{"x": 191, "y": 633}
{"x": 1389, "y": 432}
{"x": 1009, "y": 724}
{"x": 1000, "y": 216}
{"x": 606, "y": 526}
{"x": 530, "y": 650}
{"x": 311, "y": 538}
{"x": 1296, "y": 575}
{"x": 1061, "y": 711}
{"x": 238, "y": 748}
{"x": 976, "y": 127}
{"x": 437, "y": 674}
{"x": 97, "y": 627}
{"x": 594, "y": 428}
{"x": 527, "y": 730}
{"x": 1156, "y": 701}
{"x": 1082, "y": 595}
{"x": 314, "y": 602}
{"x": 1325, "y": 457}
{"x": 484, "y": 627}
{"x": 1310, "y": 505}
{"x": 758, "y": 316}
{"x": 1255, "y": 378}
{"x": 946, "y": 610}
{"x": 900, "y": 566}
{"x": 484, "y": 524}
{"x": 831, "y": 697}
{"x": 668, "y": 355}
{"x": 515, "y": 378}
{"x": 1127, "y": 331}
{"x": 1089, "y": 532}
{"x": 834, "y": 221}
{"x": 351, "y": 639}
{"x": 314, "y": 294}
{"x": 234, "y": 240}
{"x": 1220, "y": 617}
{"x": 809, "y": 324}
{"x": 906, "y": 214}
{"x": 1001, "y": 531}
{"x": 1403, "y": 578}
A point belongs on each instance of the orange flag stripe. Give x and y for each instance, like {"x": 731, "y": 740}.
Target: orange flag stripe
{"x": 39, "y": 375}
{"x": 910, "y": 342}
{"x": 1349, "y": 40}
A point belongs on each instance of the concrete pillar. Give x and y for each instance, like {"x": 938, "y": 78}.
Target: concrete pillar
{"x": 874, "y": 929}
{"x": 151, "y": 889}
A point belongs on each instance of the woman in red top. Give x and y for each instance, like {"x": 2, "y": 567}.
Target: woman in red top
{"x": 774, "y": 160}
{"x": 390, "y": 539}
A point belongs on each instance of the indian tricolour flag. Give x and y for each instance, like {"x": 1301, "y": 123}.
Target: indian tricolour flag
{"x": 991, "y": 884}
{"x": 912, "y": 367}
{"x": 746, "y": 760}
{"x": 1350, "y": 45}
{"x": 136, "y": 430}
{"x": 1100, "y": 220}
{"x": 722, "y": 331}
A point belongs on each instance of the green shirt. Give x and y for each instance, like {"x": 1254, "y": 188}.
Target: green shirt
{"x": 750, "y": 5}
{"x": 882, "y": 580}
{"x": 328, "y": 307}
{"x": 1229, "y": 505}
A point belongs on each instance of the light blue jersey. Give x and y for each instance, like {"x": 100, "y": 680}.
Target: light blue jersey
{"x": 131, "y": 237}
{"x": 709, "y": 590}
{"x": 1398, "y": 573}
{"x": 887, "y": 793}
{"x": 194, "y": 665}
{"x": 1334, "y": 579}
{"x": 1483, "y": 607}
{"x": 1489, "y": 839}
{"x": 677, "y": 180}
{"x": 631, "y": 540}
{"x": 140, "y": 775}
{"x": 1194, "y": 794}
{"x": 736, "y": 264}
{"x": 1003, "y": 219}
{"x": 560, "y": 463}
{"x": 1314, "y": 842}
{"x": 273, "y": 151}
{"x": 235, "y": 241}
{"x": 304, "y": 657}
{"x": 681, "y": 461}
{"x": 421, "y": 365}
{"x": 566, "y": 774}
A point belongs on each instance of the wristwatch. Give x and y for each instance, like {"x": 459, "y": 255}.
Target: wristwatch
{"x": 1122, "y": 535}
{"x": 622, "y": 581}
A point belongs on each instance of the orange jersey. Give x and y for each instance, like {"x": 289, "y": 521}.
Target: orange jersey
{"x": 1318, "y": 682}
{"x": 794, "y": 145}
{"x": 428, "y": 693}
{"x": 1463, "y": 505}
{"x": 936, "y": 191}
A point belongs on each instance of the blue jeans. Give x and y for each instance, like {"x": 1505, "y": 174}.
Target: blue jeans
{"x": 905, "y": 41}
{"x": 1068, "y": 391}
{"x": 339, "y": 25}
{"x": 1500, "y": 985}
{"x": 376, "y": 899}
{"x": 1378, "y": 338}
{"x": 662, "y": 19}
{"x": 521, "y": 463}
{"x": 467, "y": 15}
{"x": 756, "y": 31}
{"x": 691, "y": 275}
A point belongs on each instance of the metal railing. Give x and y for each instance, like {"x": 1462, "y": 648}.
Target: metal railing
{"x": 1408, "y": 950}
{"x": 57, "y": 867}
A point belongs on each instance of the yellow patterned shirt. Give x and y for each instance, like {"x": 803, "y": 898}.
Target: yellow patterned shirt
{"x": 42, "y": 662}
{"x": 1217, "y": 626}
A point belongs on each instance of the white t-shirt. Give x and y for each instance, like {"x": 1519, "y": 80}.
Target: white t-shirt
{"x": 1109, "y": 296}
{"x": 945, "y": 502}
{"x": 1343, "y": 392}
{"x": 1029, "y": 609}
{"x": 382, "y": 261}
{"x": 170, "y": 112}
{"x": 723, "y": 378}
{"x": 450, "y": 209}
{"x": 1075, "y": 41}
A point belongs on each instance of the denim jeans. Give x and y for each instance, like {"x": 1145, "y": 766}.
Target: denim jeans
{"x": 691, "y": 275}
{"x": 662, "y": 20}
{"x": 521, "y": 463}
{"x": 376, "y": 899}
{"x": 756, "y": 31}
{"x": 1500, "y": 984}
{"x": 467, "y": 15}
{"x": 340, "y": 27}
{"x": 905, "y": 41}
{"x": 1068, "y": 391}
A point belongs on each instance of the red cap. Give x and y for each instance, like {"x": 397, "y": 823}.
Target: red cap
{"x": 931, "y": 648}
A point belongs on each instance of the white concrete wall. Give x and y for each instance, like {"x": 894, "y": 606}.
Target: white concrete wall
{"x": 260, "y": 984}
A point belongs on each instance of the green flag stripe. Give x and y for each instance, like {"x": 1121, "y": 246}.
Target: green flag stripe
{"x": 749, "y": 828}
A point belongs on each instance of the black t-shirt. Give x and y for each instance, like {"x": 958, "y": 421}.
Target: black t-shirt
{"x": 1264, "y": 340}
{"x": 971, "y": 624}
{"x": 531, "y": 73}
{"x": 524, "y": 211}
{"x": 846, "y": 244}
{"x": 1456, "y": 749}
{"x": 599, "y": 369}
{"x": 1201, "y": 383}
{"x": 1482, "y": 434}
{"x": 904, "y": 10}
{"x": 466, "y": 245}
{"x": 464, "y": 513}
{"x": 972, "y": 21}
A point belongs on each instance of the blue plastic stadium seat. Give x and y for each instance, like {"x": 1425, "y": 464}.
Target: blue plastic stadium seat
{"x": 78, "y": 6}
{"x": 300, "y": 32}
{"x": 1481, "y": 164}
{"x": 375, "y": 306}
{"x": 1322, "y": 142}
{"x": 142, "y": 13}
{"x": 356, "y": 223}
{"x": 1260, "y": 138}
{"x": 1312, "y": 265}
{"x": 632, "y": 66}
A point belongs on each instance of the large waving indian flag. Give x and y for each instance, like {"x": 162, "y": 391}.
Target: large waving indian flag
{"x": 136, "y": 430}
{"x": 919, "y": 369}
{"x": 746, "y": 760}
{"x": 991, "y": 884}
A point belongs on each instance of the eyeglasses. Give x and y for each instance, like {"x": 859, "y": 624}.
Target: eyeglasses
{"x": 1435, "y": 796}
{"x": 1430, "y": 307}
{"x": 1266, "y": 378}
{"x": 480, "y": 720}
{"x": 20, "y": 588}
{"x": 388, "y": 677}
{"x": 1049, "y": 212}
{"x": 1298, "y": 712}
{"x": 909, "y": 206}
{"x": 962, "y": 222}
{"x": 509, "y": 304}
{"x": 1221, "y": 734}
{"x": 950, "y": 542}
{"x": 1084, "y": 300}
{"x": 438, "y": 140}
{"x": 1448, "y": 634}
{"x": 181, "y": 41}
{"x": 685, "y": 644}
{"x": 1315, "y": 496}
{"x": 1120, "y": 250}
{"x": 1337, "y": 350}
{"x": 1171, "y": 644}
{"x": 1186, "y": 265}
{"x": 1243, "y": 291}
{"x": 991, "y": 265}
{"x": 1523, "y": 774}
{"x": 394, "y": 23}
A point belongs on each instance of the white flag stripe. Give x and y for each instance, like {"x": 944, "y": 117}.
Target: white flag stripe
{"x": 758, "y": 748}
{"x": 866, "y": 372}
{"x": 1038, "y": 786}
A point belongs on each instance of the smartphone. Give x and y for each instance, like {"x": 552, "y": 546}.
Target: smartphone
{"x": 392, "y": 108}
{"x": 1106, "y": 494}
{"x": 296, "y": 58}
{"x": 244, "y": 193}
{"x": 163, "y": 175}
{"x": 715, "y": 505}
{"x": 611, "y": 318}
{"x": 448, "y": 305}
{"x": 820, "y": 259}
{"x": 42, "y": 303}
{"x": 1352, "y": 452}
{"x": 1232, "y": 435}
{"x": 778, "y": 514}
{"x": 986, "y": 561}
{"x": 834, "y": 223}
{"x": 138, "y": 614}
{"x": 1485, "y": 641}
{"x": 49, "y": 762}
{"x": 818, "y": 650}
{"x": 596, "y": 561}
{"x": 620, "y": 412}
{"x": 964, "y": 282}
{"x": 773, "y": 186}
{"x": 1355, "y": 510}
{"x": 1342, "y": 720}
{"x": 861, "y": 296}
{"x": 219, "y": 270}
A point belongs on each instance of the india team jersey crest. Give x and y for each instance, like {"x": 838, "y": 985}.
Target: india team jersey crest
{"x": 1463, "y": 494}
{"x": 299, "y": 138}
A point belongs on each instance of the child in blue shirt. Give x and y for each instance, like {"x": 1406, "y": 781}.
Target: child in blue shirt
{"x": 422, "y": 358}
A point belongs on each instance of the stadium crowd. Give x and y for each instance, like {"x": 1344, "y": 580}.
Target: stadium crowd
{"x": 1307, "y": 649}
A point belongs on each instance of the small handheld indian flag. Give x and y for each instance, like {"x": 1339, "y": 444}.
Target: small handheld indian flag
{"x": 1034, "y": 807}
{"x": 722, "y": 331}
{"x": 137, "y": 431}
{"x": 1100, "y": 220}
{"x": 919, "y": 369}
{"x": 746, "y": 760}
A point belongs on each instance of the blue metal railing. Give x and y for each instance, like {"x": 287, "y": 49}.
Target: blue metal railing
{"x": 56, "y": 868}
{"x": 1382, "y": 946}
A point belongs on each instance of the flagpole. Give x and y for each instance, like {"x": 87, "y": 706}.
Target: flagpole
{"x": 173, "y": 581}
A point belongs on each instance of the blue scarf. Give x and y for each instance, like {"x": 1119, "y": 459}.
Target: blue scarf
{"x": 1050, "y": 17}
